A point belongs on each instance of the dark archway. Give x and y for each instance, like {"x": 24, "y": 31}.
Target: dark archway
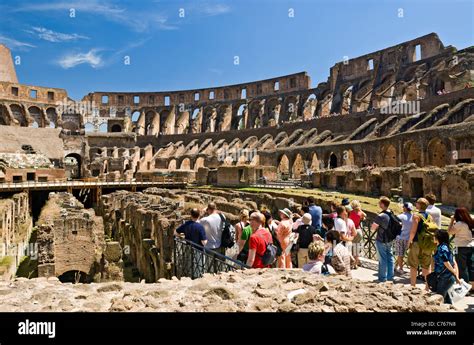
{"x": 332, "y": 161}
{"x": 116, "y": 128}
{"x": 74, "y": 277}
{"x": 73, "y": 165}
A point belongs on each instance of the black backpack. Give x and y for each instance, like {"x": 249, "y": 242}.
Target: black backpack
{"x": 394, "y": 227}
{"x": 228, "y": 233}
{"x": 270, "y": 254}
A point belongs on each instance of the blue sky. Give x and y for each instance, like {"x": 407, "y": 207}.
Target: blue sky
{"x": 169, "y": 52}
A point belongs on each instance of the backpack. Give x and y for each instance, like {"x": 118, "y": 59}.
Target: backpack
{"x": 394, "y": 227}
{"x": 228, "y": 233}
{"x": 426, "y": 237}
{"x": 325, "y": 269}
{"x": 270, "y": 254}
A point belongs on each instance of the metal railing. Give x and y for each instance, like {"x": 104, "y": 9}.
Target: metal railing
{"x": 192, "y": 260}
{"x": 369, "y": 251}
{"x": 89, "y": 183}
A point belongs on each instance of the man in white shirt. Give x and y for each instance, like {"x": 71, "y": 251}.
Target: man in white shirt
{"x": 432, "y": 210}
{"x": 212, "y": 224}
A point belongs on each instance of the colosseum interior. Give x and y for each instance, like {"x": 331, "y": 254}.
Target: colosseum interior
{"x": 103, "y": 195}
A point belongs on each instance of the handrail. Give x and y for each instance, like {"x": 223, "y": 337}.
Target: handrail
{"x": 193, "y": 260}
{"x": 86, "y": 182}
{"x": 219, "y": 255}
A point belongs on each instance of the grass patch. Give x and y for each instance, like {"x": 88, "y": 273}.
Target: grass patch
{"x": 6, "y": 261}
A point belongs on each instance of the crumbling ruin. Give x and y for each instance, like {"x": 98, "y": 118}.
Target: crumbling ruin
{"x": 398, "y": 109}
{"x": 70, "y": 240}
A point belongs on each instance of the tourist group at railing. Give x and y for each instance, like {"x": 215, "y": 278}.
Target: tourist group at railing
{"x": 332, "y": 243}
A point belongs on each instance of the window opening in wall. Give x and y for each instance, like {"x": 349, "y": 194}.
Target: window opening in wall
{"x": 33, "y": 94}
{"x": 370, "y": 64}
{"x": 167, "y": 100}
{"x": 243, "y": 94}
{"x": 136, "y": 99}
{"x": 417, "y": 52}
{"x": 196, "y": 96}
{"x": 211, "y": 95}
{"x": 276, "y": 86}
{"x": 105, "y": 99}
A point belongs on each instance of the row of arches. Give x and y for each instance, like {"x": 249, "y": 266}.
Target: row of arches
{"x": 229, "y": 116}
{"x": 436, "y": 154}
{"x": 32, "y": 116}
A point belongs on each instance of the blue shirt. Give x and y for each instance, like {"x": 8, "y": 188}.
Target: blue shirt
{"x": 407, "y": 221}
{"x": 443, "y": 254}
{"x": 316, "y": 213}
{"x": 193, "y": 232}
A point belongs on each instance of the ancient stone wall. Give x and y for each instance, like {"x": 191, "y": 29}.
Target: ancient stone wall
{"x": 70, "y": 239}
{"x": 143, "y": 224}
{"x": 15, "y": 230}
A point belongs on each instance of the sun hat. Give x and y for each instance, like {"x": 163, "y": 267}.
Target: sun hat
{"x": 286, "y": 212}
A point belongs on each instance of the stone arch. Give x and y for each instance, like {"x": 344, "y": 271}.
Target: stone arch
{"x": 182, "y": 123}
{"x": 18, "y": 114}
{"x": 273, "y": 109}
{"x": 437, "y": 153}
{"x": 149, "y": 122}
{"x": 172, "y": 164}
{"x": 52, "y": 116}
{"x": 209, "y": 119}
{"x": 199, "y": 163}
{"x": 315, "y": 165}
{"x": 166, "y": 122}
{"x": 4, "y": 117}
{"x": 89, "y": 127}
{"x": 224, "y": 118}
{"x": 185, "y": 164}
{"x": 36, "y": 114}
{"x": 309, "y": 107}
{"x": 290, "y": 109}
{"x": 103, "y": 128}
{"x": 332, "y": 161}
{"x": 283, "y": 165}
{"x": 239, "y": 121}
{"x": 73, "y": 164}
{"x": 255, "y": 114}
{"x": 412, "y": 153}
{"x": 389, "y": 156}
{"x": 298, "y": 167}
{"x": 116, "y": 128}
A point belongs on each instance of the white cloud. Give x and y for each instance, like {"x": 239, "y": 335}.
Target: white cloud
{"x": 53, "y": 36}
{"x": 72, "y": 60}
{"x": 15, "y": 44}
{"x": 137, "y": 21}
{"x": 213, "y": 9}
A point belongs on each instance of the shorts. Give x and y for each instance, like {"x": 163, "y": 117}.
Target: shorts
{"x": 418, "y": 257}
{"x": 400, "y": 247}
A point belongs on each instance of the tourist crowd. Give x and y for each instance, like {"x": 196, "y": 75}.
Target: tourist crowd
{"x": 330, "y": 243}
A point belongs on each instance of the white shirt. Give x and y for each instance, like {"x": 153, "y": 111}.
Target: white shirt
{"x": 340, "y": 225}
{"x": 316, "y": 267}
{"x": 435, "y": 213}
{"x": 212, "y": 226}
